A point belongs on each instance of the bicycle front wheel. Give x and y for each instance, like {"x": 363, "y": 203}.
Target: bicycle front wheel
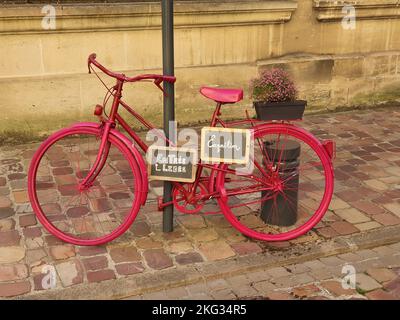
{"x": 90, "y": 215}
{"x": 288, "y": 189}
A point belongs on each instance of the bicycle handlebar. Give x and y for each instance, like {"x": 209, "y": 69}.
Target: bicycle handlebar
{"x": 158, "y": 79}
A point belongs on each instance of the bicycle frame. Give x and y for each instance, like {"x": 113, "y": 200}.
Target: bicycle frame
{"x": 115, "y": 117}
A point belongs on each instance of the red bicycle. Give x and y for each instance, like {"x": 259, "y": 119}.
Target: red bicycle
{"x": 88, "y": 182}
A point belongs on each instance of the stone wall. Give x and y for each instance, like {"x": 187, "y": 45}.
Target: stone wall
{"x": 44, "y": 83}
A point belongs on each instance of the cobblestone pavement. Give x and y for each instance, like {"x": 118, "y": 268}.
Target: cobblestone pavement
{"x": 367, "y": 198}
{"x": 376, "y": 273}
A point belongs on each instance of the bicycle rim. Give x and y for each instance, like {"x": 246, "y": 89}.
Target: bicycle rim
{"x": 83, "y": 216}
{"x": 288, "y": 191}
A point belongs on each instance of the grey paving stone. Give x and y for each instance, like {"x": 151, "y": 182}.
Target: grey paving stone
{"x": 366, "y": 283}
{"x": 314, "y": 264}
{"x": 238, "y": 280}
{"x": 366, "y": 253}
{"x": 258, "y": 276}
{"x": 349, "y": 257}
{"x": 264, "y": 286}
{"x": 219, "y": 284}
{"x": 385, "y": 250}
{"x": 298, "y": 268}
{"x": 224, "y": 294}
{"x": 198, "y": 296}
{"x": 177, "y": 293}
{"x": 332, "y": 261}
{"x": 244, "y": 291}
{"x": 158, "y": 295}
{"x": 277, "y": 272}
{"x": 198, "y": 288}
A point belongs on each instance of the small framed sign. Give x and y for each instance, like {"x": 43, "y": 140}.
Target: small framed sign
{"x": 172, "y": 164}
{"x": 228, "y": 145}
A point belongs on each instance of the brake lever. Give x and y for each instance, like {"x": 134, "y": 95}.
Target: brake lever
{"x": 93, "y": 55}
{"x": 158, "y": 82}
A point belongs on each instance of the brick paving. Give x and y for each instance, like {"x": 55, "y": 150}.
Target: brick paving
{"x": 303, "y": 281}
{"x": 367, "y": 198}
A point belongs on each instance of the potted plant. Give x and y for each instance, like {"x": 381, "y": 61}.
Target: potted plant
{"x": 274, "y": 95}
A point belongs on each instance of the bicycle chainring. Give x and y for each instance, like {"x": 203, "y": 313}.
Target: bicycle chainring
{"x": 185, "y": 201}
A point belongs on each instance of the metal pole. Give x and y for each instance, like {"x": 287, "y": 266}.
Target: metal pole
{"x": 169, "y": 107}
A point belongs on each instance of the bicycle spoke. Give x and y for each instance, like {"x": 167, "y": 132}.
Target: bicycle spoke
{"x": 277, "y": 193}
{"x": 88, "y": 212}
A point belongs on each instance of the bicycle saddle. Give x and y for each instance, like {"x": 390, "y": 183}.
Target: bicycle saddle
{"x": 222, "y": 95}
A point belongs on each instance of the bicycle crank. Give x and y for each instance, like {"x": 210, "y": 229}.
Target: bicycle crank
{"x": 187, "y": 200}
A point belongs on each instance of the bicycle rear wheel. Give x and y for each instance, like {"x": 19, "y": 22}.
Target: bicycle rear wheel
{"x": 288, "y": 191}
{"x": 92, "y": 215}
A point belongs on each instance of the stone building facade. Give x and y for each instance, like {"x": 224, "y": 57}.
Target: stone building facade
{"x": 337, "y": 62}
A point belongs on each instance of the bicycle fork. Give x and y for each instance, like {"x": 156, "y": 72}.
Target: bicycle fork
{"x": 105, "y": 144}
{"x": 100, "y": 159}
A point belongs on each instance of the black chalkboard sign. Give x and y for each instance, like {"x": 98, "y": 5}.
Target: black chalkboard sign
{"x": 172, "y": 164}
{"x": 226, "y": 145}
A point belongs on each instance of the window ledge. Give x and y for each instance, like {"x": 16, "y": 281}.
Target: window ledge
{"x": 329, "y": 10}
{"x": 103, "y": 17}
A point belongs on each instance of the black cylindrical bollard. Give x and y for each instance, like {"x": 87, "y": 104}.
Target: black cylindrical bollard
{"x": 281, "y": 210}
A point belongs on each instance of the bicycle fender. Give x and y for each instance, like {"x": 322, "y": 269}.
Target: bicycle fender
{"x": 136, "y": 154}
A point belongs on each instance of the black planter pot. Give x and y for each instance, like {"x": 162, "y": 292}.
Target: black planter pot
{"x": 291, "y": 110}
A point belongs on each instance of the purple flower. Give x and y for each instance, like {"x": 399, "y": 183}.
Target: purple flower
{"x": 273, "y": 85}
